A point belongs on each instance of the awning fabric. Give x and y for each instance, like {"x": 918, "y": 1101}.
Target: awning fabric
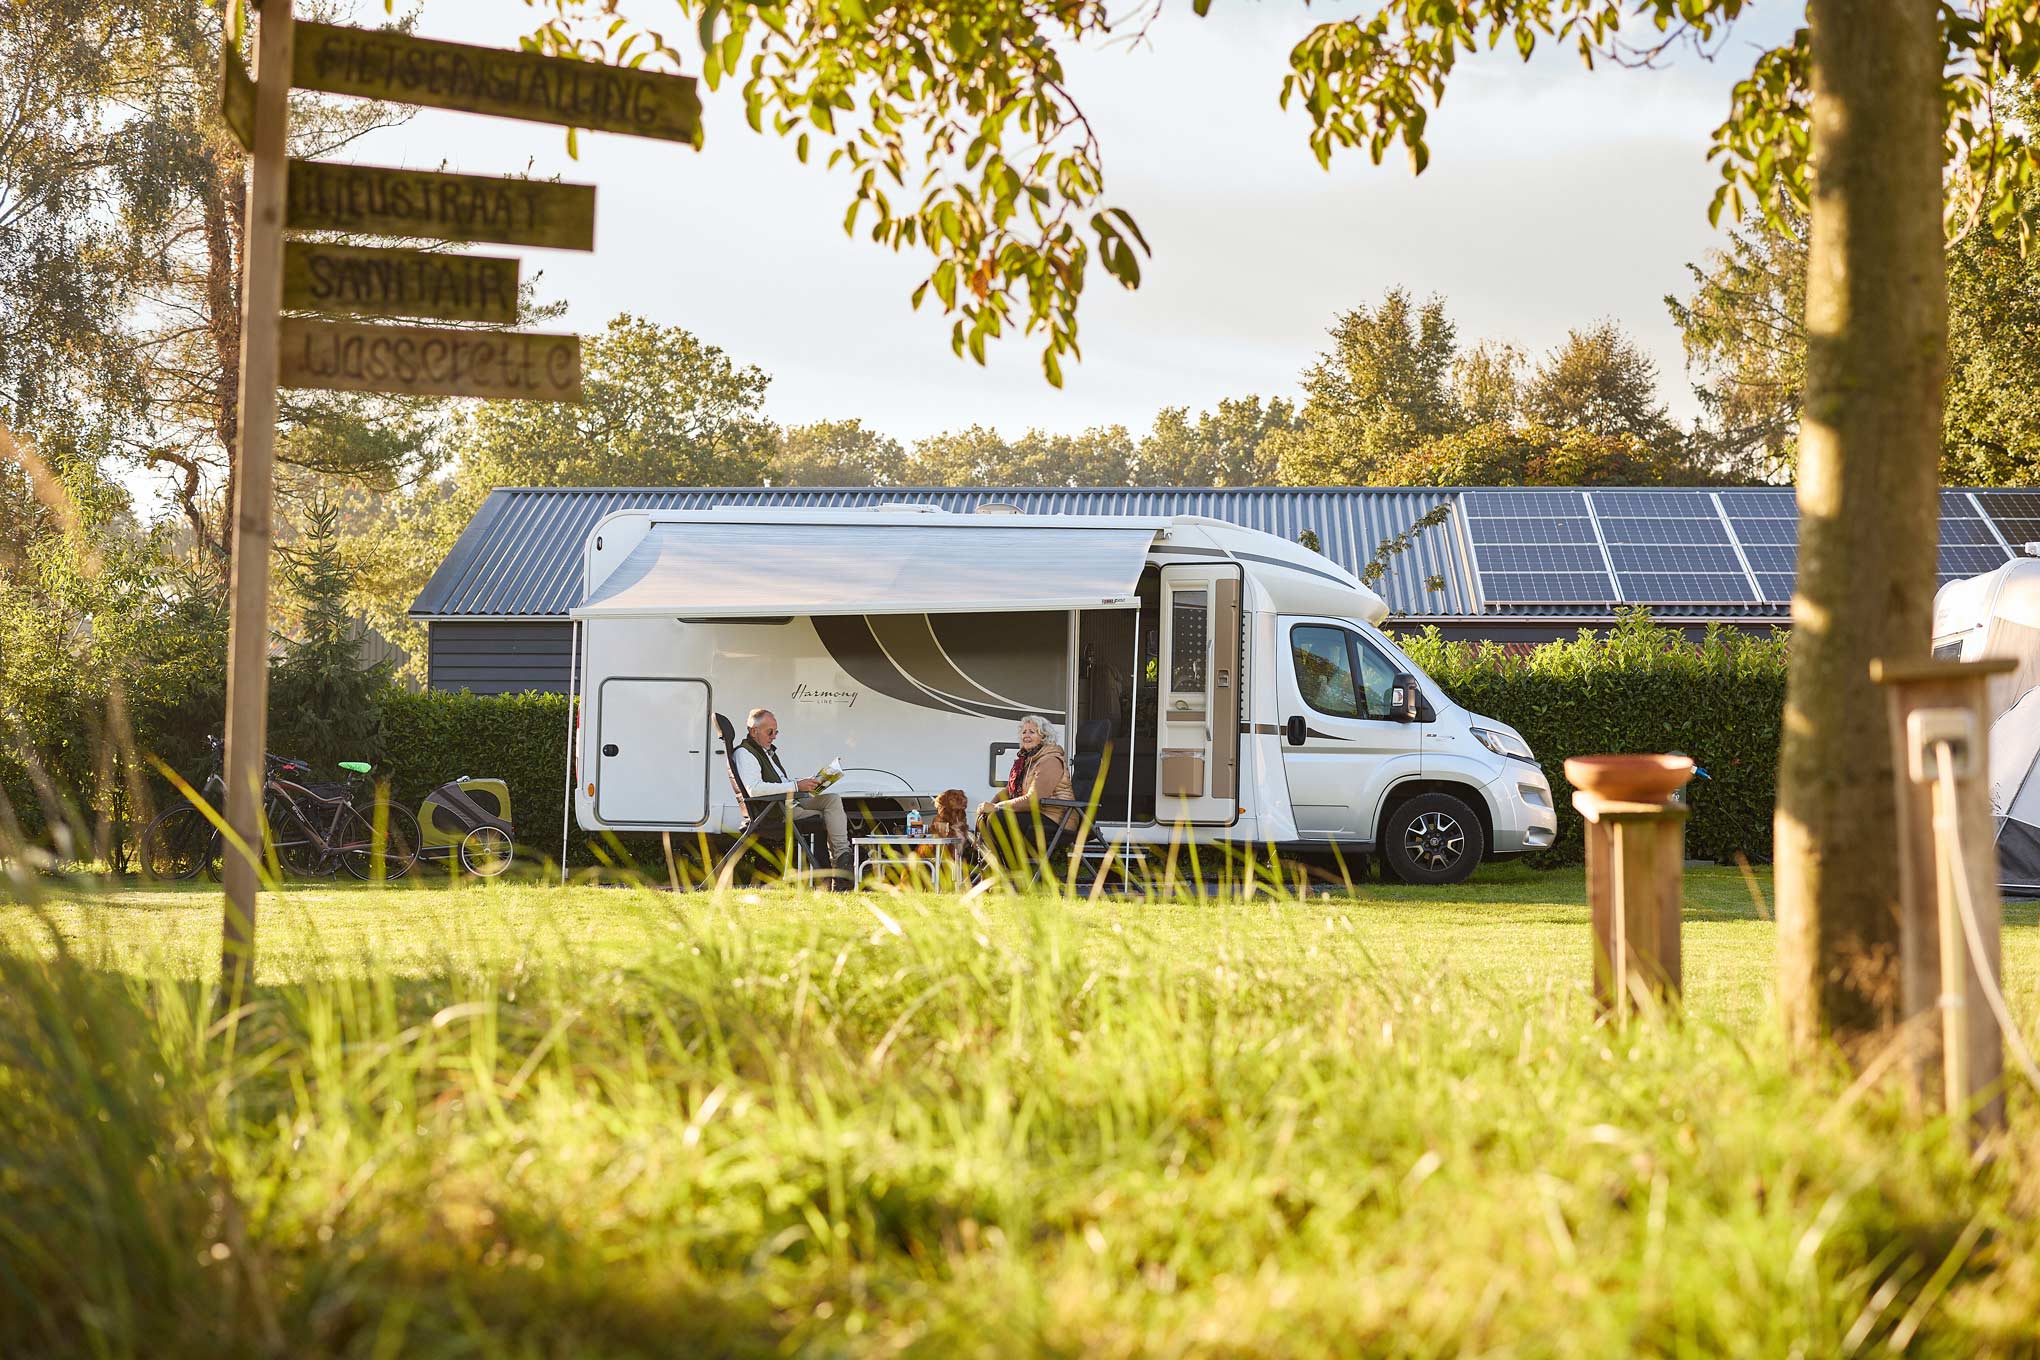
{"x": 726, "y": 569}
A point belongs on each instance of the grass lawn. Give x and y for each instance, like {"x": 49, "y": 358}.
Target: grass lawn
{"x": 600, "y": 1121}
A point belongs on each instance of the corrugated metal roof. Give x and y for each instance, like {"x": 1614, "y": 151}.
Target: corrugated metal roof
{"x": 520, "y": 557}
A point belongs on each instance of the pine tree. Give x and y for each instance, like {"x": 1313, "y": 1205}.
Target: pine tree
{"x": 322, "y": 698}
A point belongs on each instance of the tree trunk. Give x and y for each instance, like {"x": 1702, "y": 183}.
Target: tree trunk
{"x": 225, "y": 210}
{"x": 1876, "y": 322}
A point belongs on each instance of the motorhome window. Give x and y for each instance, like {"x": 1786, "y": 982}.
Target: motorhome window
{"x": 1949, "y": 651}
{"x": 1377, "y": 676}
{"x": 1324, "y": 670}
{"x": 1187, "y": 643}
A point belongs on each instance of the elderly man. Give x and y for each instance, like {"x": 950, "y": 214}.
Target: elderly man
{"x": 764, "y": 776}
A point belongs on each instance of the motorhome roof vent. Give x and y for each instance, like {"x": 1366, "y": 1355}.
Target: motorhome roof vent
{"x": 2030, "y": 549}
{"x": 998, "y": 508}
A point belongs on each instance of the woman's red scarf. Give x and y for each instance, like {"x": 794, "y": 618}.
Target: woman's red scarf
{"x": 1018, "y": 774}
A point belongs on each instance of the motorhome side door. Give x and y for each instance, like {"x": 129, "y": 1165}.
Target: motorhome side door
{"x": 1200, "y": 680}
{"x": 651, "y": 752}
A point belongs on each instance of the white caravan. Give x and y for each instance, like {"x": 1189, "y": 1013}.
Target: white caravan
{"x": 1998, "y": 615}
{"x": 1213, "y": 683}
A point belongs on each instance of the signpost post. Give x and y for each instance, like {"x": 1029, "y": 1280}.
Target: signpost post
{"x": 248, "y": 620}
{"x": 351, "y": 281}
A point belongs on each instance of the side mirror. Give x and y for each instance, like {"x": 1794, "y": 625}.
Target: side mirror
{"x": 1404, "y": 699}
{"x": 1295, "y": 731}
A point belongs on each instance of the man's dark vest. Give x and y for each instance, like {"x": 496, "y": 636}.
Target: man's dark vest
{"x": 768, "y": 764}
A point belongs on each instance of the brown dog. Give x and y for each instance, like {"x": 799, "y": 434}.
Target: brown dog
{"x": 952, "y": 815}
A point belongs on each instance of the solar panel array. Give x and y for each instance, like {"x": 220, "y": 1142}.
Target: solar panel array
{"x": 1692, "y": 546}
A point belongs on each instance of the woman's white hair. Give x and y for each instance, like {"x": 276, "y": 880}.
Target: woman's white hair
{"x": 1043, "y": 725}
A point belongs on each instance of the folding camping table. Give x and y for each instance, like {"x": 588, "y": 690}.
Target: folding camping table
{"x": 902, "y": 850}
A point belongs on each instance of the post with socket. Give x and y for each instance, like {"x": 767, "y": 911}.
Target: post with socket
{"x": 1947, "y": 856}
{"x": 1636, "y": 860}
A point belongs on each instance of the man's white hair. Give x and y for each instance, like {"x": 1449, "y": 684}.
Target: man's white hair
{"x": 1046, "y": 728}
{"x": 754, "y": 717}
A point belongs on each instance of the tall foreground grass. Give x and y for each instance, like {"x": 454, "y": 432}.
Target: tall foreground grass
{"x": 615, "y": 1123}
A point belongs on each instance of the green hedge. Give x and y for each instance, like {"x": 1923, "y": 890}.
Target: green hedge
{"x": 1639, "y": 687}
{"x": 518, "y": 738}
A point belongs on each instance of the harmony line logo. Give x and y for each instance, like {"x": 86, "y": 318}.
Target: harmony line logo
{"x": 808, "y": 694}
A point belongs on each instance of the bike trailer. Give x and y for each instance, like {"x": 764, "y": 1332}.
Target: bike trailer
{"x": 469, "y": 819}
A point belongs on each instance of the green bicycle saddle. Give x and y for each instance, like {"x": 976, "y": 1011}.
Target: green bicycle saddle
{"x": 358, "y": 766}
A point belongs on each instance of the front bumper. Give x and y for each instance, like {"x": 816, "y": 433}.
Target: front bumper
{"x": 1525, "y": 814}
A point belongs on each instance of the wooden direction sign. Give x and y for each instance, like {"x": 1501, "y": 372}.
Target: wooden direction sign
{"x": 387, "y": 281}
{"x": 429, "y": 361}
{"x": 237, "y": 97}
{"x": 538, "y": 89}
{"x": 371, "y": 201}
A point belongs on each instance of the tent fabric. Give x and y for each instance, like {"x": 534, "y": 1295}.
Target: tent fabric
{"x": 739, "y": 569}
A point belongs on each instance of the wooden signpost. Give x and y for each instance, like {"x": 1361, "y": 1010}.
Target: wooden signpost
{"x": 237, "y": 97}
{"x": 380, "y": 281}
{"x": 444, "y": 75}
{"x": 429, "y": 361}
{"x": 351, "y": 281}
{"x": 368, "y": 200}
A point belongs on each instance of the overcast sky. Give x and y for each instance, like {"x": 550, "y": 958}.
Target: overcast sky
{"x": 1554, "y": 197}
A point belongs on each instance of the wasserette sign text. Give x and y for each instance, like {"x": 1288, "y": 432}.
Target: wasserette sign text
{"x": 428, "y": 361}
{"x": 389, "y": 281}
{"x": 367, "y": 200}
{"x": 538, "y": 89}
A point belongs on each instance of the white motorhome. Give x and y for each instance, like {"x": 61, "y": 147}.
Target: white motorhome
{"x": 1997, "y": 614}
{"x": 1212, "y": 682}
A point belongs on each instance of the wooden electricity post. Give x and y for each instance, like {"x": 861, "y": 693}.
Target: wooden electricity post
{"x": 248, "y": 620}
{"x": 1636, "y": 860}
{"x": 1962, "y": 1053}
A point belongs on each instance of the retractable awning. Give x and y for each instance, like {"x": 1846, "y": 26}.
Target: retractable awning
{"x": 750, "y": 569}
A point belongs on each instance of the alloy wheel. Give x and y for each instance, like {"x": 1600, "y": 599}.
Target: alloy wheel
{"x": 1435, "y": 841}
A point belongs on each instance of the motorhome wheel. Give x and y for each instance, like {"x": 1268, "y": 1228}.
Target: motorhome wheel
{"x": 1433, "y": 838}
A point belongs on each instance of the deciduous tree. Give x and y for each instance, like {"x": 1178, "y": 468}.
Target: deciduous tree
{"x": 1597, "y": 380}
{"x": 1384, "y": 386}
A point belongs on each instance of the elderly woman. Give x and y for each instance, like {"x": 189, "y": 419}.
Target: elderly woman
{"x": 1041, "y": 769}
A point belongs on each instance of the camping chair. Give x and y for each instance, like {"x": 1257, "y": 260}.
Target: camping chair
{"x": 1075, "y": 834}
{"x": 763, "y": 818}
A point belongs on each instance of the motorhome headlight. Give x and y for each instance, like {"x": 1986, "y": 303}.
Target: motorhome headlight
{"x": 1504, "y": 744}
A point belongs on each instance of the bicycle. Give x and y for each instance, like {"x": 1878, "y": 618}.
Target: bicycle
{"x": 311, "y": 830}
{"x": 318, "y": 829}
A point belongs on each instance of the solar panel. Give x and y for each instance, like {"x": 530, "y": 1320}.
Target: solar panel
{"x": 1958, "y": 560}
{"x": 1970, "y": 530}
{"x": 1536, "y": 547}
{"x": 1687, "y": 588}
{"x": 1532, "y": 502}
{"x": 1761, "y": 503}
{"x": 1772, "y": 558}
{"x": 1670, "y": 546}
{"x": 1672, "y": 559}
{"x": 1623, "y": 529}
{"x": 1750, "y": 532}
{"x": 1541, "y": 557}
{"x": 1546, "y": 587}
{"x": 1695, "y": 502}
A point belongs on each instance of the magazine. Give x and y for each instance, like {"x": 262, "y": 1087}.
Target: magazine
{"x": 828, "y": 774}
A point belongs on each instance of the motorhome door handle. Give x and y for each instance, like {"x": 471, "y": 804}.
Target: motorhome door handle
{"x": 609, "y": 749}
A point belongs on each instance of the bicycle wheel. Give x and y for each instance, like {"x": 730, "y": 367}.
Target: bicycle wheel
{"x": 179, "y": 845}
{"x": 357, "y": 847}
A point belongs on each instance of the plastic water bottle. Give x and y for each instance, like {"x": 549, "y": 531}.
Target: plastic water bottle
{"x": 913, "y": 821}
